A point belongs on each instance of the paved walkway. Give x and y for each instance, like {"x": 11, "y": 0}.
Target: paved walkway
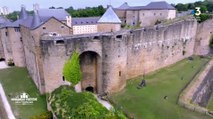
{"x": 6, "y": 103}
{"x": 3, "y": 65}
{"x": 104, "y": 103}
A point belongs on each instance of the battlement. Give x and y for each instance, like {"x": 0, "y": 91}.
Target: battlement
{"x": 119, "y": 55}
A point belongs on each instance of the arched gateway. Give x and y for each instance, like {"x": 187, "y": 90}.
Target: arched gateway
{"x": 91, "y": 72}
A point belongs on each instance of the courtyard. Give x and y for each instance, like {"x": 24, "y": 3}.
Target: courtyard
{"x": 158, "y": 99}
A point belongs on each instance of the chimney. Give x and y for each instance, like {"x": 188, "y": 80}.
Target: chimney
{"x": 69, "y": 21}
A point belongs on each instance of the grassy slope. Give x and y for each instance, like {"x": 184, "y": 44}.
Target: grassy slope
{"x": 149, "y": 102}
{"x": 210, "y": 106}
{"x": 15, "y": 81}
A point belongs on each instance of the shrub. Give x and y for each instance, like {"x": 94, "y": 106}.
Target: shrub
{"x": 72, "y": 71}
{"x": 10, "y": 62}
{"x": 157, "y": 22}
{"x": 204, "y": 17}
{"x": 67, "y": 104}
{"x": 45, "y": 115}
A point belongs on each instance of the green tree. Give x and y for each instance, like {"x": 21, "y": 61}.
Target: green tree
{"x": 72, "y": 71}
{"x": 13, "y": 16}
{"x": 203, "y": 9}
{"x": 86, "y": 12}
{"x": 191, "y": 6}
{"x": 181, "y": 7}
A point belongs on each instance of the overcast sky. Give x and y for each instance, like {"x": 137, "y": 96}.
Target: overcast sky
{"x": 15, "y": 4}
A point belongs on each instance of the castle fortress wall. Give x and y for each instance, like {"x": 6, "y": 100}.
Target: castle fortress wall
{"x": 1, "y": 48}
{"x": 204, "y": 34}
{"x": 17, "y": 47}
{"x": 6, "y": 43}
{"x": 12, "y": 45}
{"x": 34, "y": 58}
{"x": 153, "y": 48}
{"x": 124, "y": 54}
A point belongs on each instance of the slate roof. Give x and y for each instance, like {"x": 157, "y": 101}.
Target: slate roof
{"x": 3, "y": 21}
{"x": 39, "y": 17}
{"x": 36, "y": 21}
{"x": 23, "y": 14}
{"x": 124, "y": 6}
{"x": 85, "y": 20}
{"x": 59, "y": 14}
{"x": 109, "y": 17}
{"x": 158, "y": 5}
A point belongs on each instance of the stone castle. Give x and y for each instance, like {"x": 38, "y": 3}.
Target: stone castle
{"x": 108, "y": 56}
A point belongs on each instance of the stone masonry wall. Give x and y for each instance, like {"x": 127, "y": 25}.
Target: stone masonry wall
{"x": 17, "y": 47}
{"x": 149, "y": 17}
{"x": 124, "y": 54}
{"x": 108, "y": 27}
{"x": 204, "y": 33}
{"x": 12, "y": 46}
{"x": 153, "y": 48}
{"x": 32, "y": 48}
{"x": 6, "y": 43}
{"x": 1, "y": 48}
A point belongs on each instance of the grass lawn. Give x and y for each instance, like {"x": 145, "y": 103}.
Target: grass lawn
{"x": 149, "y": 102}
{"x": 210, "y": 106}
{"x": 15, "y": 81}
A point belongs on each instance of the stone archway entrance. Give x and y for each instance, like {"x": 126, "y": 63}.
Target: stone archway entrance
{"x": 91, "y": 72}
{"x": 90, "y": 89}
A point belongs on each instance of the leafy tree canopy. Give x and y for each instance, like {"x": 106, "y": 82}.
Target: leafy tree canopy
{"x": 86, "y": 12}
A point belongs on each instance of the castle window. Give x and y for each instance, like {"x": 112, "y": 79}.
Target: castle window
{"x": 21, "y": 39}
{"x": 160, "y": 14}
{"x": 119, "y": 73}
{"x": 154, "y": 14}
{"x": 96, "y": 37}
{"x": 17, "y": 29}
{"x": 59, "y": 42}
{"x": 6, "y": 34}
{"x": 143, "y": 14}
{"x": 119, "y": 36}
{"x": 44, "y": 27}
{"x": 62, "y": 27}
{"x": 63, "y": 78}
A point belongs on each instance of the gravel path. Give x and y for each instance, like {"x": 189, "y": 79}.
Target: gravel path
{"x": 104, "y": 103}
{"x": 6, "y": 104}
{"x": 3, "y": 65}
